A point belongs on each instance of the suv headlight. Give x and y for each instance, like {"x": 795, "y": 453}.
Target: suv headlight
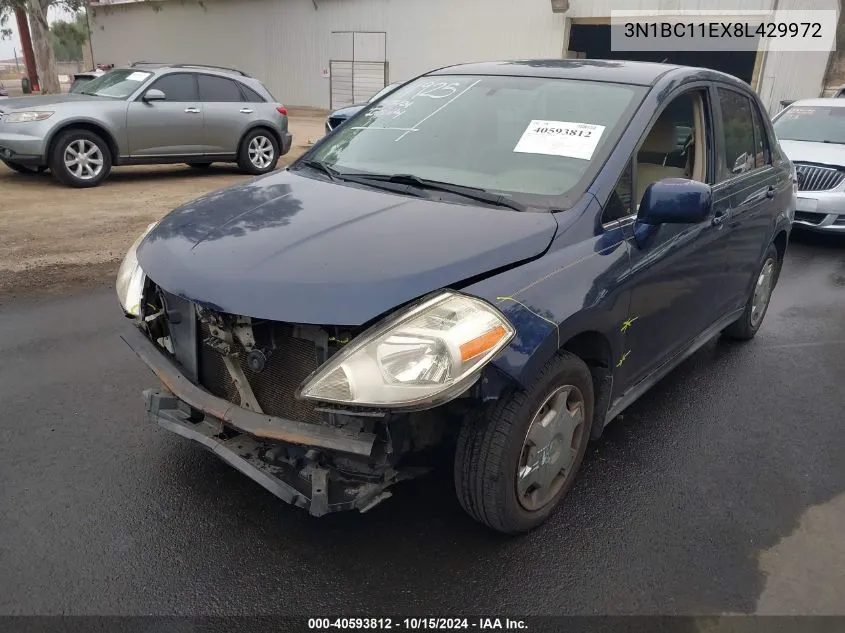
{"x": 27, "y": 117}
{"x": 420, "y": 357}
{"x": 130, "y": 278}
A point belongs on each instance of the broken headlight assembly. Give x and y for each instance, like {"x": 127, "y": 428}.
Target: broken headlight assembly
{"x": 420, "y": 357}
{"x": 130, "y": 278}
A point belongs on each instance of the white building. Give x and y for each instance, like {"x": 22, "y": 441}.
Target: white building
{"x": 329, "y": 53}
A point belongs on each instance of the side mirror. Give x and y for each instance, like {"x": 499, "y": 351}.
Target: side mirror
{"x": 675, "y": 201}
{"x": 154, "y": 94}
{"x": 741, "y": 163}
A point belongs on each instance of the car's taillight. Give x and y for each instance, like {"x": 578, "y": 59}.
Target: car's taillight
{"x": 282, "y": 110}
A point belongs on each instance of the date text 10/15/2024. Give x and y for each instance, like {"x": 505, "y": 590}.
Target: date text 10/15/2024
{"x": 416, "y": 624}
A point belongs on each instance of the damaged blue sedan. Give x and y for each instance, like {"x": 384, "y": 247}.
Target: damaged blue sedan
{"x": 496, "y": 259}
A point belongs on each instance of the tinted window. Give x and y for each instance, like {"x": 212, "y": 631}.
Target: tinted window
{"x": 178, "y": 87}
{"x": 218, "y": 89}
{"x": 761, "y": 141}
{"x": 520, "y": 136}
{"x": 739, "y": 133}
{"x": 117, "y": 83}
{"x": 250, "y": 95}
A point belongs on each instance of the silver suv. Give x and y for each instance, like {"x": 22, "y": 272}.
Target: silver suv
{"x": 147, "y": 113}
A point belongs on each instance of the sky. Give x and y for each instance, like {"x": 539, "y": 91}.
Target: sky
{"x": 8, "y": 47}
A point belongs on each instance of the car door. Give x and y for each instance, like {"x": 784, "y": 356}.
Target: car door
{"x": 677, "y": 271}
{"x": 755, "y": 186}
{"x": 172, "y": 127}
{"x": 226, "y": 114}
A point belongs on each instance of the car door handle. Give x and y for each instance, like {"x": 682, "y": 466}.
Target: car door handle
{"x": 246, "y": 111}
{"x": 192, "y": 110}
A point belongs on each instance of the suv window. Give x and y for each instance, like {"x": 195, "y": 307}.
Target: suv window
{"x": 762, "y": 154}
{"x": 250, "y": 96}
{"x": 178, "y": 87}
{"x": 739, "y": 133}
{"x": 219, "y": 89}
{"x": 620, "y": 203}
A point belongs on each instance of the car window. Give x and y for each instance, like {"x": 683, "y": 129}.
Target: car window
{"x": 739, "y": 133}
{"x": 817, "y": 124}
{"x": 620, "y": 203}
{"x": 529, "y": 137}
{"x": 178, "y": 87}
{"x": 250, "y": 96}
{"x": 762, "y": 154}
{"x": 218, "y": 89}
{"x": 383, "y": 92}
{"x": 117, "y": 84}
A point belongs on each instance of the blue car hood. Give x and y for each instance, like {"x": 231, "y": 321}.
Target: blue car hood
{"x": 290, "y": 248}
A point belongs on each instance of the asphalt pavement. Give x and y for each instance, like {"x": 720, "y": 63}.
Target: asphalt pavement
{"x": 721, "y": 491}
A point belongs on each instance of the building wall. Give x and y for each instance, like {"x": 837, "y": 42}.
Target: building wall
{"x": 286, "y": 43}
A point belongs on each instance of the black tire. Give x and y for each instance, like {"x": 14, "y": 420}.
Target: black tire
{"x": 245, "y": 162}
{"x": 490, "y": 448}
{"x": 746, "y": 327}
{"x": 199, "y": 165}
{"x": 63, "y": 144}
{"x": 22, "y": 169}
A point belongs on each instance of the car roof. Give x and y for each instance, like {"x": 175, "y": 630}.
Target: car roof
{"x": 611, "y": 70}
{"x": 153, "y": 66}
{"x": 831, "y": 101}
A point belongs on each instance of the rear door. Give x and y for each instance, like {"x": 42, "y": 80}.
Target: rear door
{"x": 226, "y": 113}
{"x": 172, "y": 127}
{"x": 755, "y": 186}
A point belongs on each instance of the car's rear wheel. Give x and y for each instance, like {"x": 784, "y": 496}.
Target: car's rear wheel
{"x": 80, "y": 158}
{"x": 514, "y": 464}
{"x": 259, "y": 152}
{"x": 199, "y": 165}
{"x": 747, "y": 326}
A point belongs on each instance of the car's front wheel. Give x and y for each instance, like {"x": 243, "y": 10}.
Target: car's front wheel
{"x": 80, "y": 159}
{"x": 514, "y": 464}
{"x": 747, "y": 326}
{"x": 259, "y": 153}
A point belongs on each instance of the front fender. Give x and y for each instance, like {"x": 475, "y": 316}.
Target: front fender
{"x": 575, "y": 288}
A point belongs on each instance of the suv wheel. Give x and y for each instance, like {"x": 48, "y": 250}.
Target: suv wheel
{"x": 747, "y": 326}
{"x": 515, "y": 463}
{"x": 80, "y": 159}
{"x": 259, "y": 153}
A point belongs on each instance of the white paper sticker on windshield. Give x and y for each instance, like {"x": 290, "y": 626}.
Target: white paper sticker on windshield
{"x": 560, "y": 138}
{"x": 137, "y": 76}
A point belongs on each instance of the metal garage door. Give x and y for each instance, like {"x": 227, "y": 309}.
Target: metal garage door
{"x": 358, "y": 66}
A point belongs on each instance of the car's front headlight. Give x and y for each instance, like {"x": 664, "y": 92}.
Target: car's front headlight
{"x": 420, "y": 357}
{"x": 27, "y": 117}
{"x": 130, "y": 278}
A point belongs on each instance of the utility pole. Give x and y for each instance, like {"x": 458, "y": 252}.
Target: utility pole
{"x": 28, "y": 54}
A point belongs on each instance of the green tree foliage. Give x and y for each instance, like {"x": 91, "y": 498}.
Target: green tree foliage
{"x": 69, "y": 38}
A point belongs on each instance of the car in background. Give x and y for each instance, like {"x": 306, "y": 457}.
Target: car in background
{"x": 497, "y": 262}
{"x": 4, "y": 92}
{"x": 83, "y": 78}
{"x": 812, "y": 134}
{"x": 337, "y": 117}
{"x": 143, "y": 114}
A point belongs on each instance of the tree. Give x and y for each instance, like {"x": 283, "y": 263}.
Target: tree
{"x": 42, "y": 45}
{"x": 68, "y": 38}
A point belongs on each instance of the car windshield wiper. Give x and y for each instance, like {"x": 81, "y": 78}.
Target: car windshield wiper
{"x": 473, "y": 193}
{"x": 331, "y": 172}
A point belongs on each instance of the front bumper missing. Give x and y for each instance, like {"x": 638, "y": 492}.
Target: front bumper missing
{"x": 189, "y": 411}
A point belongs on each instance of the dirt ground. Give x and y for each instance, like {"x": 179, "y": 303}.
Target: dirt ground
{"x": 53, "y": 236}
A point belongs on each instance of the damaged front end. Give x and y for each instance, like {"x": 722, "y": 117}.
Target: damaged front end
{"x": 230, "y": 382}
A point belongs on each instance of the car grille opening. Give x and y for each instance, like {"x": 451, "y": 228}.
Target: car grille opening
{"x": 819, "y": 178}
{"x": 809, "y": 218}
{"x": 291, "y": 362}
